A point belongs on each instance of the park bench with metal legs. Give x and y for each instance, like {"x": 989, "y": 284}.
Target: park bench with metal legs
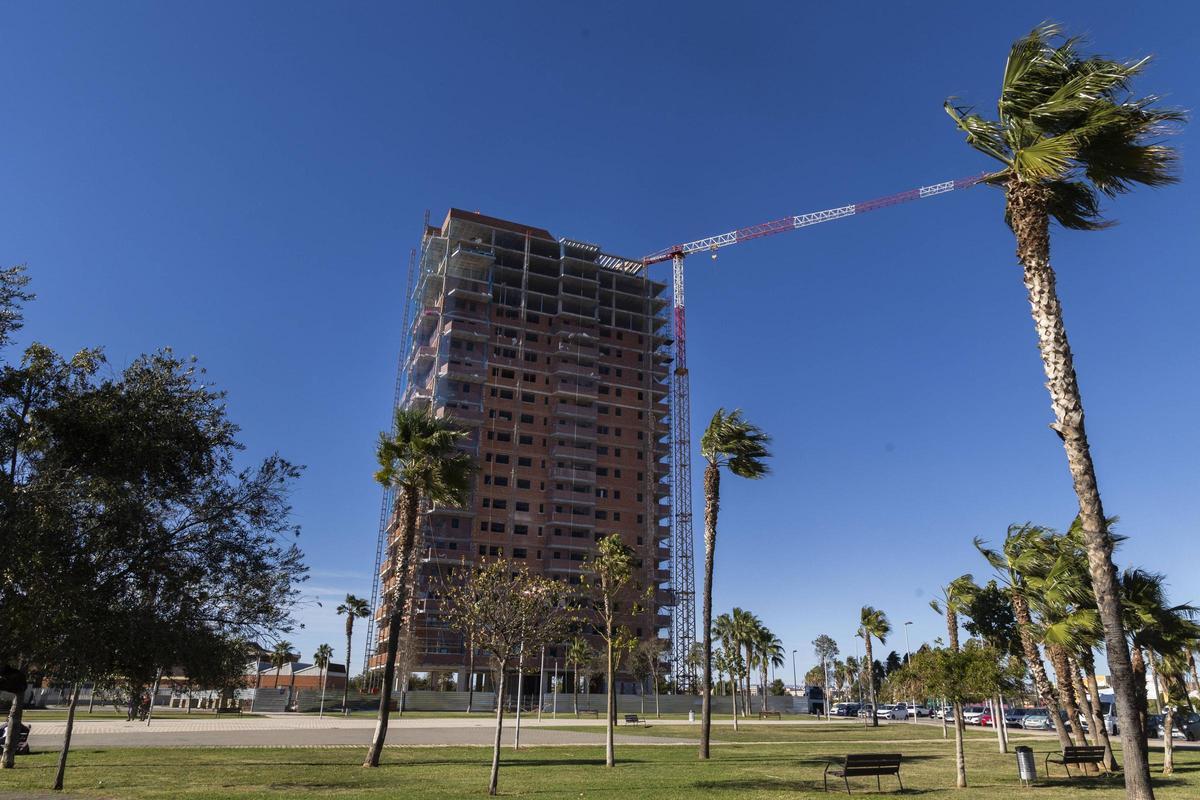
{"x": 769, "y": 714}
{"x": 1078, "y": 756}
{"x": 634, "y": 719}
{"x": 860, "y": 765}
{"x": 591, "y": 712}
{"x": 219, "y": 710}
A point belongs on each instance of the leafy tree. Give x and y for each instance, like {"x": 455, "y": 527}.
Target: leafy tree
{"x": 954, "y": 600}
{"x": 973, "y": 673}
{"x": 815, "y": 676}
{"x": 1068, "y": 131}
{"x": 354, "y": 608}
{"x": 732, "y": 442}
{"x": 509, "y": 609}
{"x": 826, "y": 651}
{"x": 650, "y": 654}
{"x": 778, "y": 688}
{"x": 130, "y": 540}
{"x": 873, "y": 624}
{"x": 420, "y": 459}
{"x": 612, "y": 585}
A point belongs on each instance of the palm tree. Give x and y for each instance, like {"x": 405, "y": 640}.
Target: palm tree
{"x": 353, "y": 608}
{"x": 1025, "y": 554}
{"x": 768, "y": 652}
{"x": 280, "y": 655}
{"x": 422, "y": 462}
{"x": 730, "y": 660}
{"x": 729, "y": 441}
{"x": 873, "y": 623}
{"x": 745, "y": 629}
{"x": 578, "y": 654}
{"x": 321, "y": 658}
{"x": 1069, "y": 130}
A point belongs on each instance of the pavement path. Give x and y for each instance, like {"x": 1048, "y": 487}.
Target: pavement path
{"x": 293, "y": 730}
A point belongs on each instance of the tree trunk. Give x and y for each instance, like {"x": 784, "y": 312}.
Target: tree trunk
{"x": 733, "y": 682}
{"x": 349, "y": 639}
{"x": 1066, "y": 688}
{"x": 495, "y": 776}
{"x": 1089, "y": 666}
{"x": 1041, "y": 682}
{"x": 746, "y": 697}
{"x": 408, "y": 521}
{"x": 960, "y": 760}
{"x": 998, "y": 723}
{"x": 575, "y": 689}
{"x": 1095, "y": 726}
{"x": 1141, "y": 702}
{"x": 7, "y": 760}
{"x": 66, "y": 745}
{"x": 764, "y": 688}
{"x": 611, "y": 711}
{"x": 871, "y": 681}
{"x": 1168, "y": 741}
{"x": 712, "y": 505}
{"x": 657, "y": 707}
{"x": 470, "y": 670}
{"x": 1029, "y": 217}
{"x": 1191, "y": 659}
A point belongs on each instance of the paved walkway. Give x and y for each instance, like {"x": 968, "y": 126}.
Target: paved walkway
{"x": 298, "y": 730}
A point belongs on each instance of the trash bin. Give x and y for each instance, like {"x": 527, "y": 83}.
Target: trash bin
{"x": 691, "y": 715}
{"x": 1026, "y": 766}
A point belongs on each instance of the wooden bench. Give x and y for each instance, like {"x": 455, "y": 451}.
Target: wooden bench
{"x": 768, "y": 714}
{"x": 858, "y": 765}
{"x": 591, "y": 712}
{"x": 634, "y": 719}
{"x": 228, "y": 710}
{"x": 1079, "y": 756}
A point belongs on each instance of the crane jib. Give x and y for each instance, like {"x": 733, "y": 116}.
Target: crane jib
{"x": 714, "y": 243}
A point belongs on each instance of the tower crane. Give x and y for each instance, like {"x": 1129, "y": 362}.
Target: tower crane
{"x": 683, "y": 573}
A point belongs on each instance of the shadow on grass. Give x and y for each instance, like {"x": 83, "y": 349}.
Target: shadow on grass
{"x": 775, "y": 784}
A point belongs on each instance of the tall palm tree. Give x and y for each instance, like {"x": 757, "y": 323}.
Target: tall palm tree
{"x": 732, "y": 442}
{"x": 955, "y": 599}
{"x": 421, "y": 460}
{"x": 873, "y": 623}
{"x": 322, "y": 658}
{"x": 353, "y": 608}
{"x": 731, "y": 661}
{"x": 1068, "y": 130}
{"x": 746, "y": 628}
{"x": 768, "y": 652}
{"x": 1025, "y": 553}
{"x": 280, "y": 655}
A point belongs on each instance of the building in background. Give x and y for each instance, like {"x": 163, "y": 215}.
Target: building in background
{"x": 555, "y": 356}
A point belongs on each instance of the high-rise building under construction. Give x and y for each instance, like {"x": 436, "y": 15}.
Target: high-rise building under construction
{"x": 556, "y": 356}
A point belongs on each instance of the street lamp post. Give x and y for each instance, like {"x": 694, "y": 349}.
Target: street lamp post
{"x": 907, "y": 660}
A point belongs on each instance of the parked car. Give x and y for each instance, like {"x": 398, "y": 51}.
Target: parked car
{"x": 971, "y": 714}
{"x": 985, "y": 719}
{"x": 865, "y": 711}
{"x": 1185, "y": 725}
{"x": 1013, "y": 716}
{"x": 1037, "y": 719}
{"x": 845, "y": 709}
{"x": 920, "y": 711}
{"x": 893, "y": 711}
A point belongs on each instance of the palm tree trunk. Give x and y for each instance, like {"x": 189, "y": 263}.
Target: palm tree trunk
{"x": 66, "y": 745}
{"x": 1141, "y": 704}
{"x": 1066, "y": 688}
{"x": 470, "y": 670}
{"x": 712, "y": 505}
{"x": 1168, "y": 742}
{"x": 495, "y": 775}
{"x": 998, "y": 723}
{"x": 1094, "y": 725}
{"x": 1041, "y": 682}
{"x": 746, "y": 696}
{"x": 575, "y": 688}
{"x": 1191, "y": 659}
{"x": 871, "y": 680}
{"x": 408, "y": 522}
{"x": 1088, "y": 663}
{"x": 1030, "y": 220}
{"x": 349, "y": 639}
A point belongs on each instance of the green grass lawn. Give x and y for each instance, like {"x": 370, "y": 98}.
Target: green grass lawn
{"x": 783, "y": 769}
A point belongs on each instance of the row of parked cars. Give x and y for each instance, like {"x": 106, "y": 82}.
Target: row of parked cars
{"x": 889, "y": 711}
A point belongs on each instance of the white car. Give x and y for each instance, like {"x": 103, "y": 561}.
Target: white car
{"x": 893, "y": 711}
{"x": 972, "y": 715}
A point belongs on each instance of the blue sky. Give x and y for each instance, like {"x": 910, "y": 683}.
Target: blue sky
{"x": 244, "y": 182}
